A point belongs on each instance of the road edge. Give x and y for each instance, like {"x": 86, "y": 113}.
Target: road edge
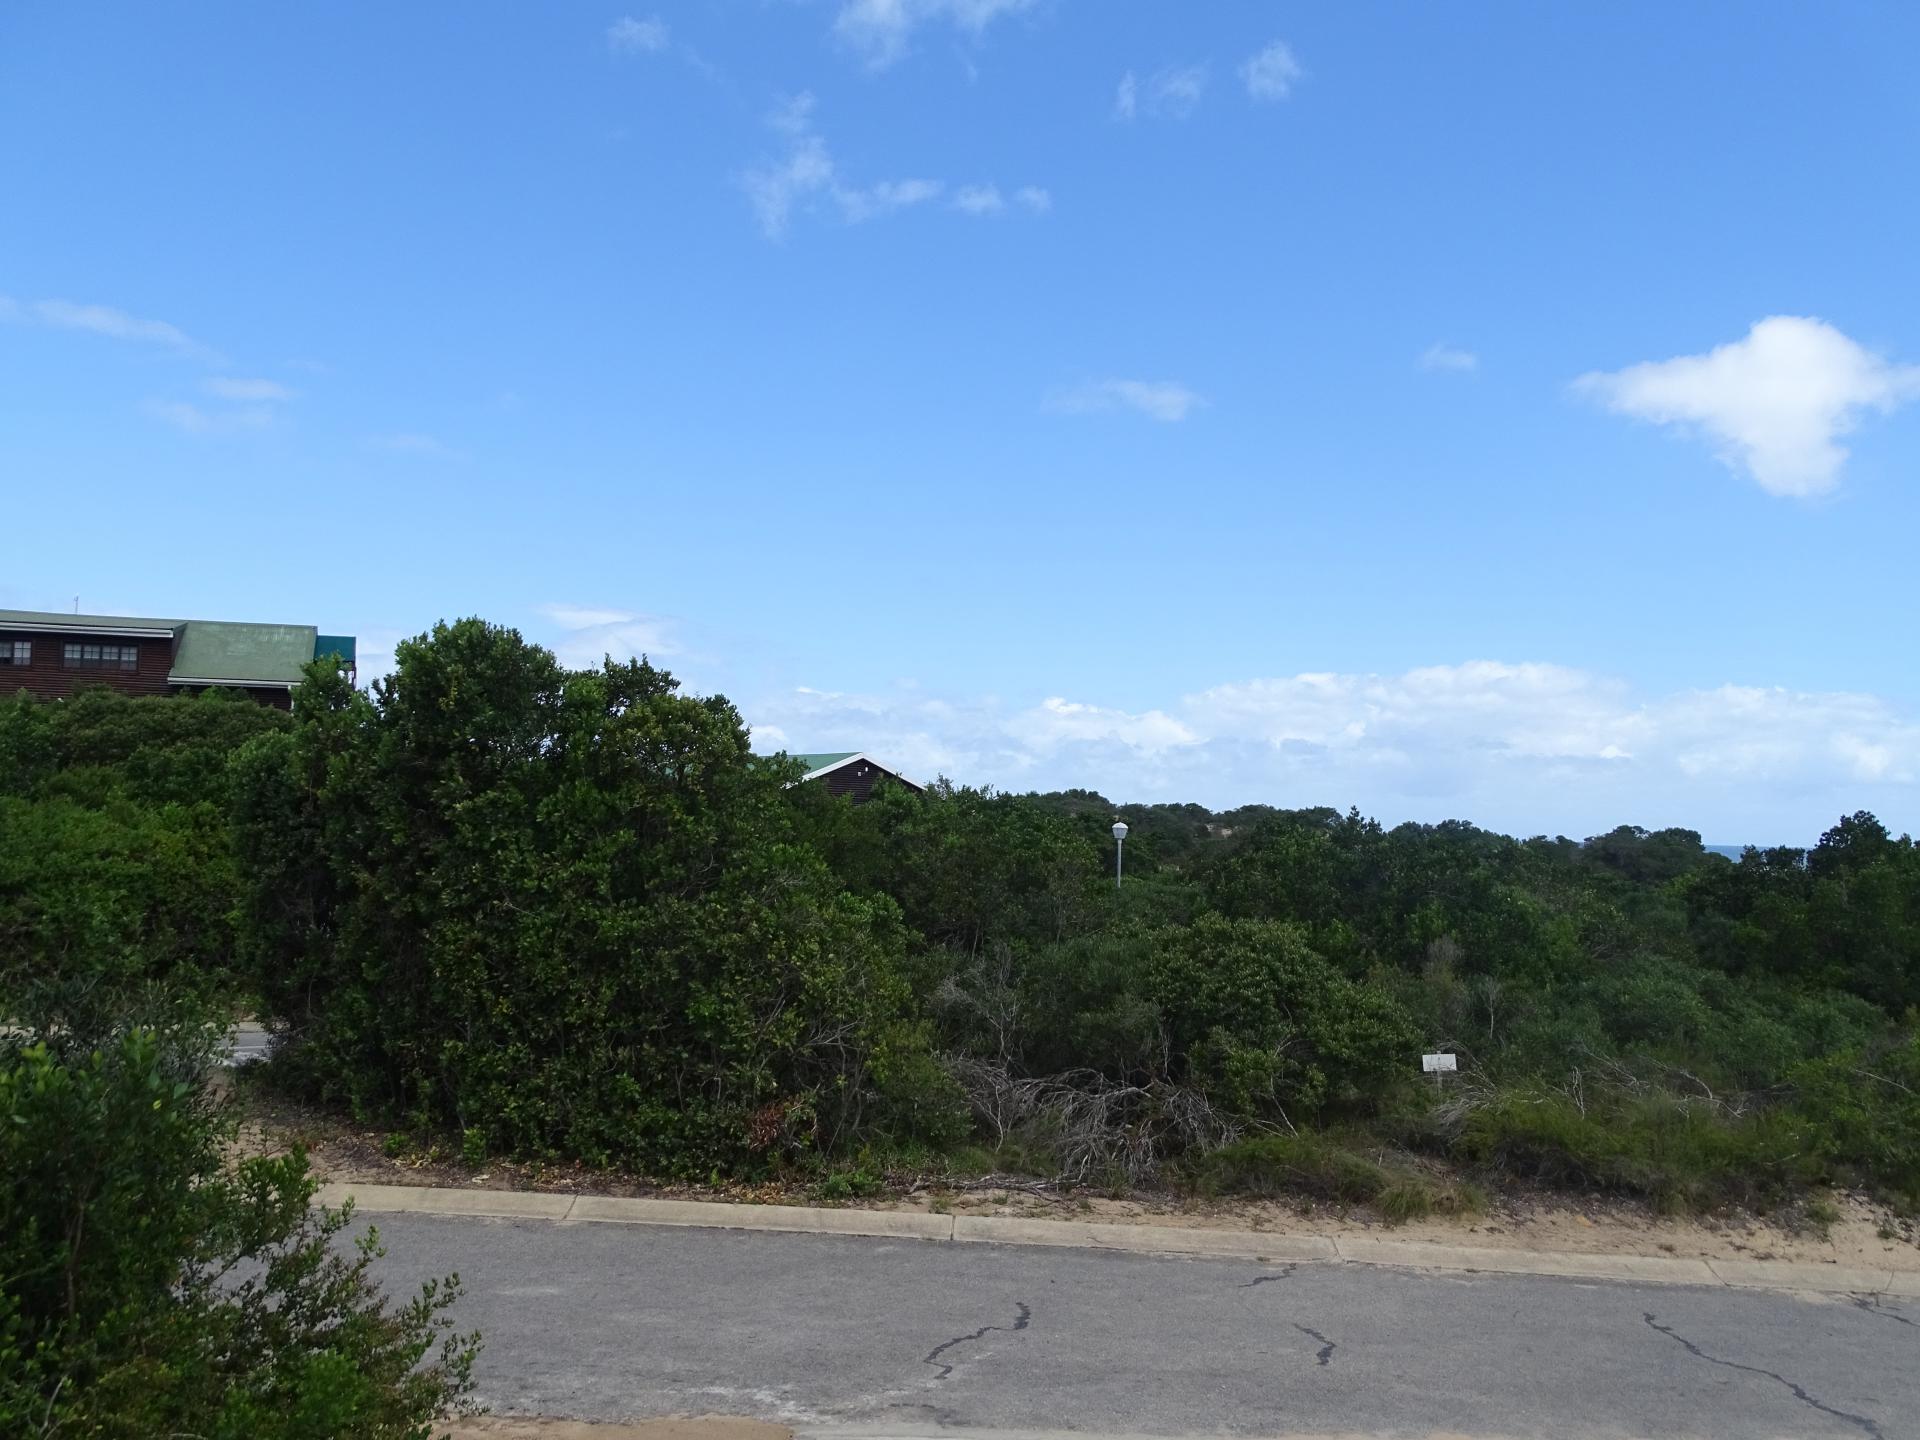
{"x": 1260, "y": 1247}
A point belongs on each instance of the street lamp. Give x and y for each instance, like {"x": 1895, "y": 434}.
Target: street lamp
{"x": 1119, "y": 850}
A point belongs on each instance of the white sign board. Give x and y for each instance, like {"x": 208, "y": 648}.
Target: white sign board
{"x": 1433, "y": 1064}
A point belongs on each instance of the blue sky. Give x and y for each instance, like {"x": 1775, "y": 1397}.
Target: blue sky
{"x": 1488, "y": 410}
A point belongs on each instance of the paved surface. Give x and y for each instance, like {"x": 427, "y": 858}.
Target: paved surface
{"x": 1262, "y": 1246}
{"x": 907, "y": 1337}
{"x": 247, "y": 1042}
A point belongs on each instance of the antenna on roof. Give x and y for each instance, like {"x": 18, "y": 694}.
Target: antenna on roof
{"x": 76, "y": 604}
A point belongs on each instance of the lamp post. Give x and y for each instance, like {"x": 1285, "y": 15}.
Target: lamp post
{"x": 1119, "y": 850}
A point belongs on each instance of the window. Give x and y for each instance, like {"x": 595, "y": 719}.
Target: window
{"x": 16, "y": 652}
{"x": 98, "y": 657}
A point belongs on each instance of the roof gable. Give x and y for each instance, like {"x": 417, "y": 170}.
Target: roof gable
{"x": 825, "y": 760}
{"x": 820, "y": 765}
{"x": 234, "y": 652}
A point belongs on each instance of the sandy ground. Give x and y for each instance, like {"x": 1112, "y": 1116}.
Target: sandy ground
{"x": 1531, "y": 1221}
{"x": 1864, "y": 1236}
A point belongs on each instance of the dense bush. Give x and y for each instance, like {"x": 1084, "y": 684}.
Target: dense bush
{"x": 1865, "y": 1115}
{"x": 1268, "y": 1029}
{"x": 1305, "y": 1164}
{"x": 116, "y": 861}
{"x": 1679, "y": 1152}
{"x": 566, "y": 913}
{"x": 563, "y": 913}
{"x": 967, "y": 868}
{"x": 1633, "y": 1013}
{"x": 149, "y": 1288}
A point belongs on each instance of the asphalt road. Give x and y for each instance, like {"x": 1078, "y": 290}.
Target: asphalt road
{"x": 626, "y": 1322}
{"x": 246, "y": 1042}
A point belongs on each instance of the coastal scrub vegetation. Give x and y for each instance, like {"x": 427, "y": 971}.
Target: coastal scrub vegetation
{"x": 151, "y": 1284}
{"x": 568, "y": 914}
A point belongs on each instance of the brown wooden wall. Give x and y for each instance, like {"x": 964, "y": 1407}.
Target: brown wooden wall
{"x": 856, "y": 781}
{"x": 48, "y": 676}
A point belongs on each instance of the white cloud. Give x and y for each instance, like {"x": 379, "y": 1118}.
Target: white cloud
{"x": 1441, "y": 356}
{"x": 1055, "y": 722}
{"x": 1522, "y": 747}
{"x": 1177, "y": 90}
{"x": 1126, "y": 99}
{"x": 1271, "y": 73}
{"x": 584, "y": 617}
{"x": 413, "y": 442}
{"x": 252, "y": 410}
{"x": 228, "y": 388}
{"x": 591, "y": 633}
{"x": 803, "y": 172}
{"x": 859, "y": 203}
{"x": 794, "y": 115}
{"x": 1775, "y": 404}
{"x": 923, "y": 737}
{"x": 102, "y": 320}
{"x": 807, "y": 175}
{"x": 881, "y": 30}
{"x": 628, "y": 36}
{"x": 1163, "y": 400}
{"x": 191, "y": 419}
{"x": 979, "y": 200}
{"x": 1034, "y": 198}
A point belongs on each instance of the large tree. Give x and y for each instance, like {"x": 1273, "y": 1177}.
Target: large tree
{"x": 563, "y": 911}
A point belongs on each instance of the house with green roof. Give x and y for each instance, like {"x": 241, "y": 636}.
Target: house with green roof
{"x": 852, "y": 773}
{"x": 51, "y": 655}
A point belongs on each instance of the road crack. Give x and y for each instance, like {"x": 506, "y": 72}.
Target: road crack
{"x": 1267, "y": 1279}
{"x": 1021, "y": 1321}
{"x": 1861, "y": 1421}
{"x": 1327, "y": 1347}
{"x": 1873, "y": 1307}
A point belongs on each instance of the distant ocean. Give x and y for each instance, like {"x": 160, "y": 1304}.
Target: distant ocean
{"x": 1732, "y": 852}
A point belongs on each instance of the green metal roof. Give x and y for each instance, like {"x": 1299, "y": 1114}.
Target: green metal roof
{"x": 244, "y": 654}
{"x": 820, "y": 762}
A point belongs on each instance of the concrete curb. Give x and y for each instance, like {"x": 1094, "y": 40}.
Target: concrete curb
{"x": 888, "y": 1224}
{"x": 1256, "y": 1246}
{"x": 1143, "y": 1239}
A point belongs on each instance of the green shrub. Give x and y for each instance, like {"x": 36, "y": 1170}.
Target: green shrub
{"x": 1265, "y": 1027}
{"x": 1415, "y": 1197}
{"x": 149, "y": 1288}
{"x": 1822, "y": 1214}
{"x": 115, "y": 858}
{"x": 1407, "y": 1199}
{"x": 856, "y": 1182}
{"x": 1679, "y": 1153}
{"x": 1286, "y": 1165}
{"x": 564, "y": 913}
{"x": 1084, "y": 1004}
{"x": 1863, "y": 1113}
{"x": 967, "y": 867}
